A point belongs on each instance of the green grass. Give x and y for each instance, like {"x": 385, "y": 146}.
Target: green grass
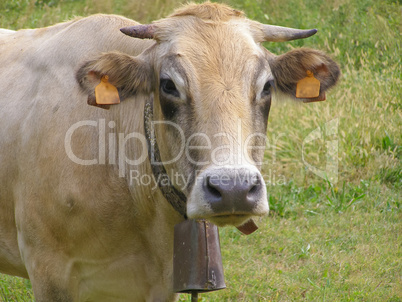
{"x": 14, "y": 289}
{"x": 313, "y": 250}
{"x": 321, "y": 241}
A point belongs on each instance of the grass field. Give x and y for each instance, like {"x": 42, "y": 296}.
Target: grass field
{"x": 323, "y": 241}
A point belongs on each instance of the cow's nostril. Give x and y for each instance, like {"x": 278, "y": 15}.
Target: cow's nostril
{"x": 211, "y": 188}
{"x": 254, "y": 187}
{"x": 253, "y": 190}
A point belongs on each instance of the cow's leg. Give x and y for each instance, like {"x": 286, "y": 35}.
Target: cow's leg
{"x": 46, "y": 261}
{"x": 47, "y": 290}
{"x": 48, "y": 277}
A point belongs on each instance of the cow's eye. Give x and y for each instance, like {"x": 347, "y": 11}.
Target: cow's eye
{"x": 169, "y": 87}
{"x": 267, "y": 88}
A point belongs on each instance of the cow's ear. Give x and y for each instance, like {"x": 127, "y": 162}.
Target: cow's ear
{"x": 288, "y": 69}
{"x": 128, "y": 74}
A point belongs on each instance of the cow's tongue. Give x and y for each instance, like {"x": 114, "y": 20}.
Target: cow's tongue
{"x": 248, "y": 227}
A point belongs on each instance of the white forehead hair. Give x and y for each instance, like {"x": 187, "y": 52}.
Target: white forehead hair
{"x": 244, "y": 29}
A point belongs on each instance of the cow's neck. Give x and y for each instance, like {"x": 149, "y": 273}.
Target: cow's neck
{"x": 175, "y": 197}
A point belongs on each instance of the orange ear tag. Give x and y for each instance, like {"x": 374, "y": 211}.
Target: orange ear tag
{"x": 308, "y": 88}
{"x": 106, "y": 93}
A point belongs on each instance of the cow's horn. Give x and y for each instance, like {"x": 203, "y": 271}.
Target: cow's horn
{"x": 274, "y": 33}
{"x": 139, "y": 31}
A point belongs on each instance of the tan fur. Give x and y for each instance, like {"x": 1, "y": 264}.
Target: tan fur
{"x": 208, "y": 11}
{"x": 85, "y": 233}
{"x": 81, "y": 231}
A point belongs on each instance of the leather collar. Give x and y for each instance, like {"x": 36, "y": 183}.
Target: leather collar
{"x": 175, "y": 197}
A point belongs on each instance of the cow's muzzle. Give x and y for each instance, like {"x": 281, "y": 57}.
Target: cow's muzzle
{"x": 228, "y": 195}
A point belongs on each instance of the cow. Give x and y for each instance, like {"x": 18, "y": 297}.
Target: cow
{"x": 90, "y": 195}
{"x": 4, "y": 31}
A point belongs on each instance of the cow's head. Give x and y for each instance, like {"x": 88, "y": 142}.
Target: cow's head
{"x": 211, "y": 78}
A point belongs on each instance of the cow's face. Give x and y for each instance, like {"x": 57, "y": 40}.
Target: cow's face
{"x": 215, "y": 85}
{"x": 212, "y": 84}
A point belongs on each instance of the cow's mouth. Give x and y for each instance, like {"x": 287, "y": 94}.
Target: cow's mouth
{"x": 229, "y": 219}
